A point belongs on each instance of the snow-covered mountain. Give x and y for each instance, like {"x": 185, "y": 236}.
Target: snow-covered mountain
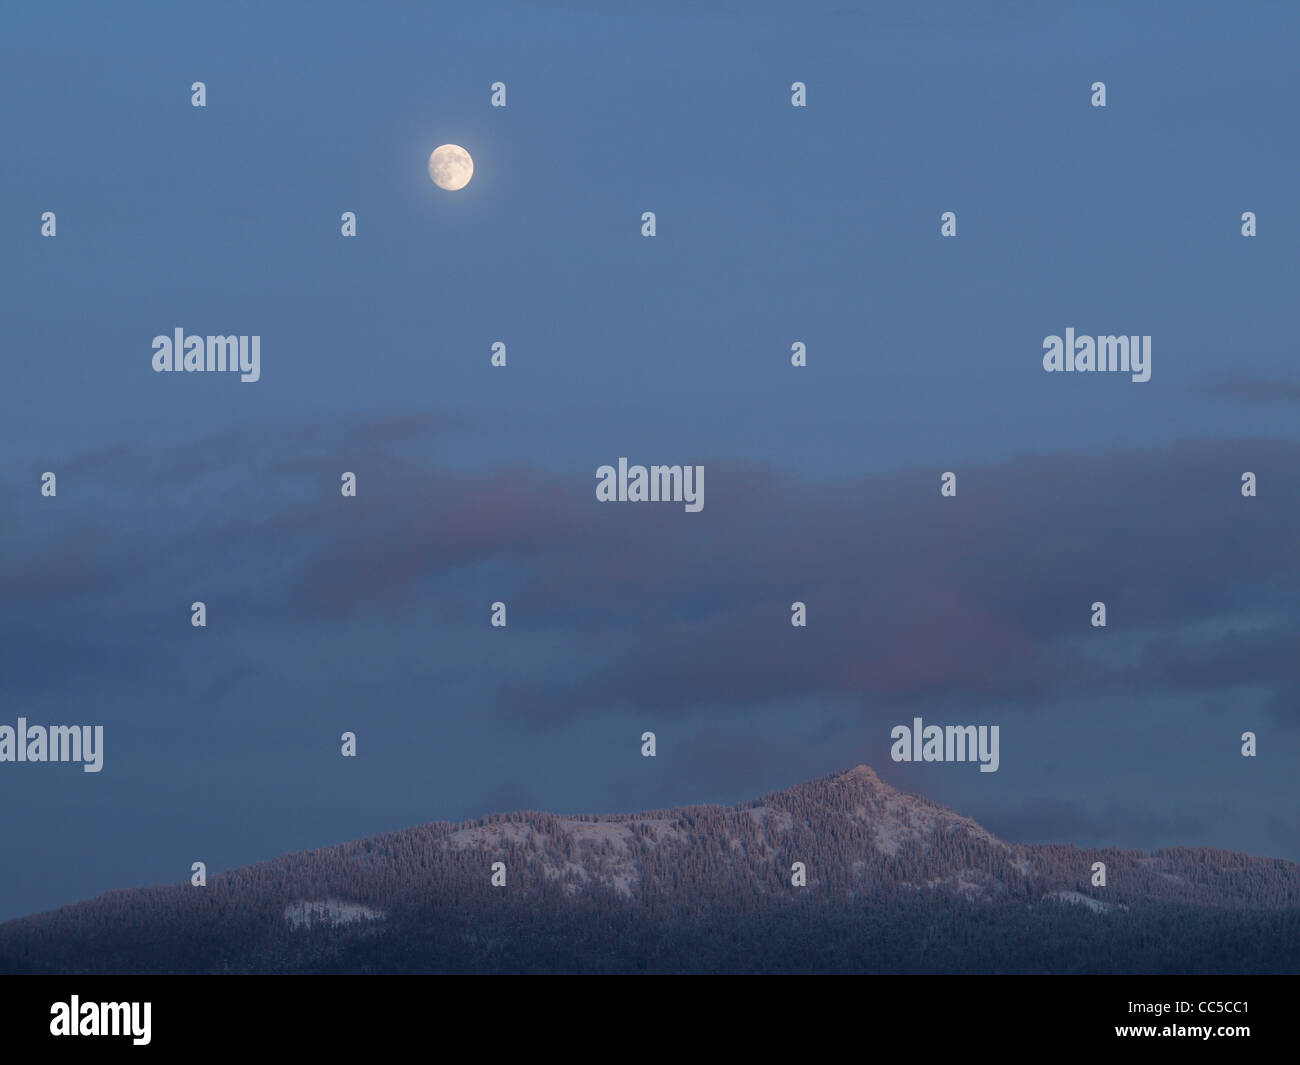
{"x": 846, "y": 855}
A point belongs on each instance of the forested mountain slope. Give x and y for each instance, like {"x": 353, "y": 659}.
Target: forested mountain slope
{"x": 893, "y": 883}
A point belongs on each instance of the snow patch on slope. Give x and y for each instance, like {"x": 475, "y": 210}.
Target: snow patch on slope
{"x": 1074, "y": 898}
{"x": 329, "y": 911}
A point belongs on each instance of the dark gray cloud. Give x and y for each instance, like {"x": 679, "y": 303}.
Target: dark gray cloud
{"x": 1251, "y": 388}
{"x": 982, "y": 599}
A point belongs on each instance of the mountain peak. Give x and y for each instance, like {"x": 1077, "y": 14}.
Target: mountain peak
{"x": 862, "y": 772}
{"x": 859, "y": 777}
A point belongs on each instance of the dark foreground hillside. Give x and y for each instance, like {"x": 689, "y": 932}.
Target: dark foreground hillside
{"x": 932, "y": 935}
{"x": 894, "y": 884}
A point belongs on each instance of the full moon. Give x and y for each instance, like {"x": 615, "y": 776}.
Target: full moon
{"x": 450, "y": 167}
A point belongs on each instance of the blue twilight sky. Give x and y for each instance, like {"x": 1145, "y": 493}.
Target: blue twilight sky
{"x": 775, "y": 224}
